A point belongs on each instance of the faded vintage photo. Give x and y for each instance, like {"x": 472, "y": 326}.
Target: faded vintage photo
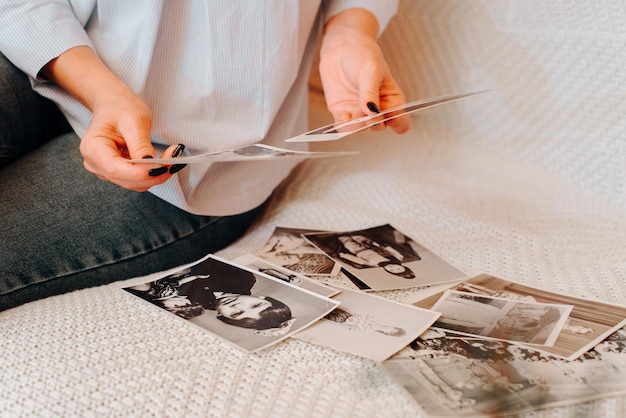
{"x": 589, "y": 322}
{"x": 368, "y": 325}
{"x": 501, "y": 319}
{"x": 384, "y": 258}
{"x": 450, "y": 375}
{"x": 245, "y": 307}
{"x": 287, "y": 248}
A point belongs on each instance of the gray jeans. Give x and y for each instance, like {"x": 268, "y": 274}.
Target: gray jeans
{"x": 64, "y": 229}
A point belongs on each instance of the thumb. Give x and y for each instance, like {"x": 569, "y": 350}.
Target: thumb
{"x": 136, "y": 134}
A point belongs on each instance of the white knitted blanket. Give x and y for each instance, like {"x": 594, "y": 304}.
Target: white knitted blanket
{"x": 526, "y": 183}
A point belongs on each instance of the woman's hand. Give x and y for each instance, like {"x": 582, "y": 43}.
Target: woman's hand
{"x": 119, "y": 130}
{"x": 120, "y": 125}
{"x": 354, "y": 73}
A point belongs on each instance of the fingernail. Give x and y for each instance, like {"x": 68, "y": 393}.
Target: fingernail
{"x": 147, "y": 156}
{"x": 178, "y": 151}
{"x": 372, "y": 106}
{"x": 176, "y": 168}
{"x": 157, "y": 171}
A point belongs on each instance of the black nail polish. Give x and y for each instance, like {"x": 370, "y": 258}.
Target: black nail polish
{"x": 178, "y": 151}
{"x": 372, "y": 106}
{"x": 176, "y": 168}
{"x": 157, "y": 171}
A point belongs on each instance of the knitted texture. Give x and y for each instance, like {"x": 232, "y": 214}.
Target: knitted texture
{"x": 102, "y": 352}
{"x": 525, "y": 183}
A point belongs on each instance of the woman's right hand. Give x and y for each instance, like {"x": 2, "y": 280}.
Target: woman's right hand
{"x": 119, "y": 130}
{"x": 120, "y": 125}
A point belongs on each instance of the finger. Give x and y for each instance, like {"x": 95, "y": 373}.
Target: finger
{"x": 399, "y": 124}
{"x": 340, "y": 116}
{"x": 175, "y": 151}
{"x": 369, "y": 98}
{"x": 163, "y": 171}
{"x": 108, "y": 164}
{"x": 373, "y": 107}
{"x": 369, "y": 93}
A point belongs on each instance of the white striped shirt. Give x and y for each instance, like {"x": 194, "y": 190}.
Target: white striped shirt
{"x": 216, "y": 75}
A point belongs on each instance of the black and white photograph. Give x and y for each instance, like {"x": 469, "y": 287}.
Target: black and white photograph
{"x": 368, "y": 326}
{"x": 501, "y": 319}
{"x": 589, "y": 322}
{"x": 384, "y": 258}
{"x": 339, "y": 130}
{"x": 286, "y": 275}
{"x": 252, "y": 152}
{"x": 287, "y": 248}
{"x": 248, "y": 308}
{"x": 460, "y": 376}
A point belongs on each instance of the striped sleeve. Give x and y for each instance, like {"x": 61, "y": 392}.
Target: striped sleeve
{"x": 384, "y": 10}
{"x": 34, "y": 32}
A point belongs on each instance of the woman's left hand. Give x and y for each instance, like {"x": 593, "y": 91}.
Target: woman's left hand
{"x": 354, "y": 73}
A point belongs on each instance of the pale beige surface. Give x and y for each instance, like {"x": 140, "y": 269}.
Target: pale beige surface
{"x": 527, "y": 183}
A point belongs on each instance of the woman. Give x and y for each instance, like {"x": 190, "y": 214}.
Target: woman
{"x": 135, "y": 77}
{"x": 226, "y": 290}
{"x": 247, "y": 311}
{"x": 362, "y": 252}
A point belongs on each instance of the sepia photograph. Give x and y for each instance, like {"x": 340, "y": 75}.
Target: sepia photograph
{"x": 384, "y": 258}
{"x": 287, "y": 248}
{"x": 368, "y": 326}
{"x": 247, "y": 308}
{"x": 590, "y": 321}
{"x": 286, "y": 275}
{"x": 501, "y": 319}
{"x": 450, "y": 375}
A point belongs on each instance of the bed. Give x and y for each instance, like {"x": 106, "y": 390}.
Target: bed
{"x": 527, "y": 182}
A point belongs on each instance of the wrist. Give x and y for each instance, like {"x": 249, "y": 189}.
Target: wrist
{"x": 81, "y": 73}
{"x": 352, "y": 20}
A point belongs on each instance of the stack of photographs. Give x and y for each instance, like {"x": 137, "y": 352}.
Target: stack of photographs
{"x": 514, "y": 350}
{"x": 257, "y": 300}
{"x": 477, "y": 346}
{"x": 373, "y": 259}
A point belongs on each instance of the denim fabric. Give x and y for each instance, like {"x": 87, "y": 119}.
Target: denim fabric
{"x": 64, "y": 229}
{"x": 26, "y": 119}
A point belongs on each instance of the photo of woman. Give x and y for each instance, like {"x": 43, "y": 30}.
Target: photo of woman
{"x": 384, "y": 258}
{"x": 236, "y": 297}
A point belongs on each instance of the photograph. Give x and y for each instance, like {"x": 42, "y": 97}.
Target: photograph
{"x": 247, "y": 308}
{"x": 590, "y": 321}
{"x": 252, "y": 152}
{"x": 458, "y": 376}
{"x": 286, "y": 275}
{"x": 501, "y": 319}
{"x": 351, "y": 281}
{"x": 338, "y": 130}
{"x": 383, "y": 258}
{"x": 368, "y": 326}
{"x": 287, "y": 248}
